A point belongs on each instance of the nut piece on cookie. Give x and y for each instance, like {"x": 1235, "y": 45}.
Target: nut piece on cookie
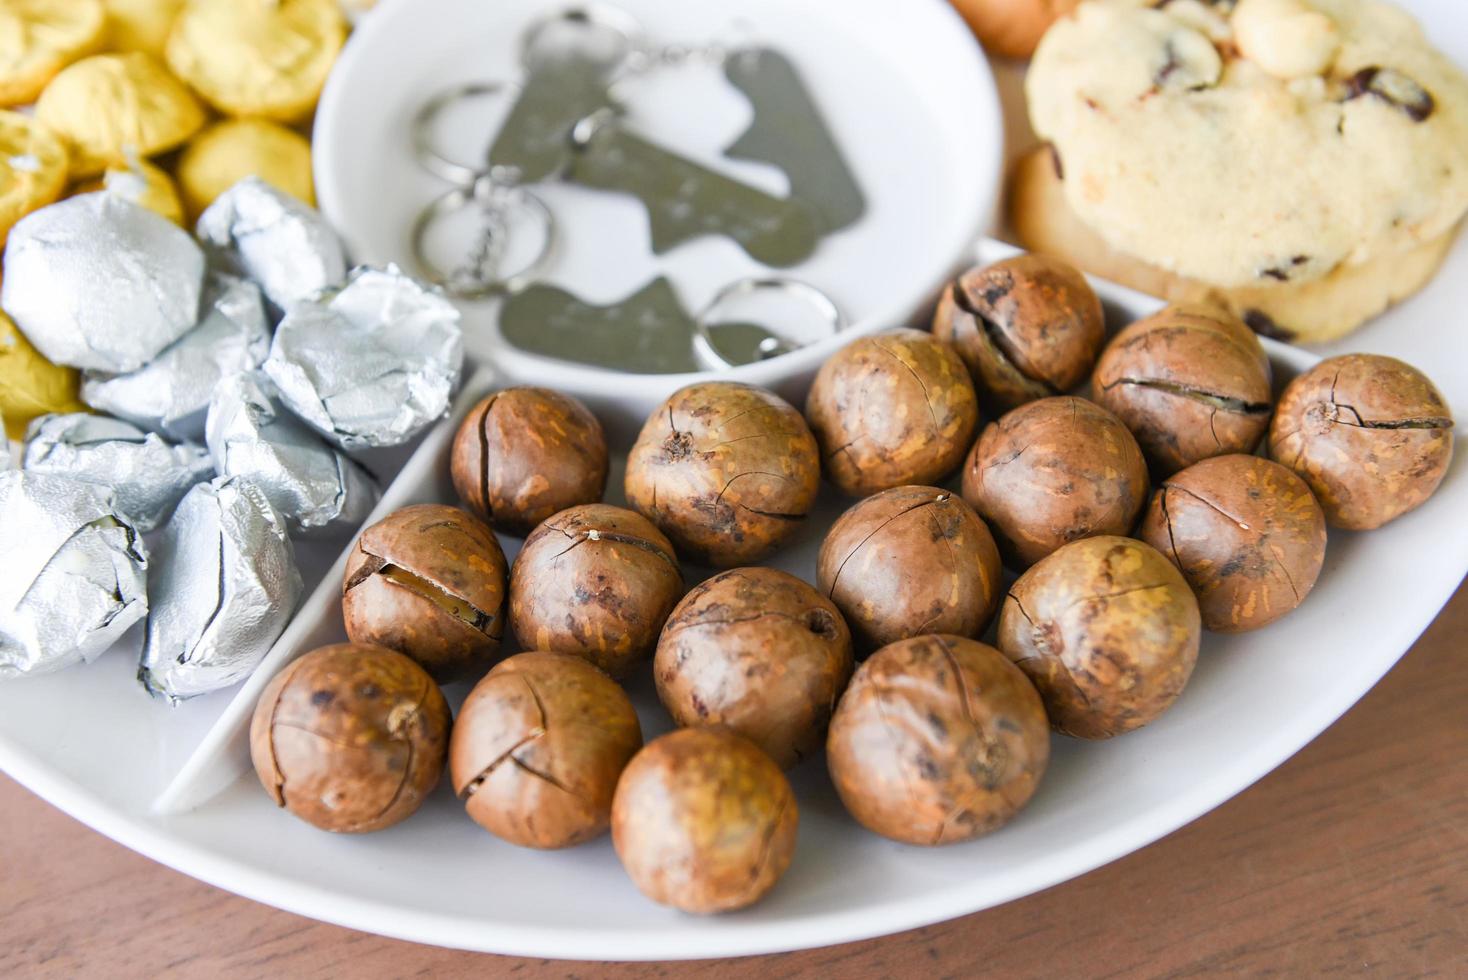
{"x": 1286, "y": 38}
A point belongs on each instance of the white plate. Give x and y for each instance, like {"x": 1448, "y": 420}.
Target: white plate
{"x": 904, "y": 88}
{"x": 90, "y": 742}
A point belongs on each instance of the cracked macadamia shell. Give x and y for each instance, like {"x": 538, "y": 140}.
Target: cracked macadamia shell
{"x": 1055, "y": 471}
{"x": 760, "y": 652}
{"x": 727, "y": 471}
{"x": 908, "y": 561}
{"x": 596, "y": 581}
{"x": 892, "y": 409}
{"x": 538, "y": 747}
{"x": 1107, "y": 630}
{"x": 704, "y": 821}
{"x": 524, "y": 454}
{"x": 1371, "y": 436}
{"x": 1247, "y": 535}
{"x": 350, "y": 738}
{"x": 1190, "y": 382}
{"x": 1012, "y": 28}
{"x": 428, "y": 581}
{"x": 938, "y": 739}
{"x": 1027, "y": 327}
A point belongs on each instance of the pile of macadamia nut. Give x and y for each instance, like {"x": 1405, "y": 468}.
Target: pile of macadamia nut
{"x": 1136, "y": 517}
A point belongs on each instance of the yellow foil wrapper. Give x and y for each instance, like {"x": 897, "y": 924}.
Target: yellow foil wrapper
{"x": 38, "y": 38}
{"x": 109, "y": 106}
{"x": 257, "y": 57}
{"x": 30, "y": 385}
{"x": 229, "y": 151}
{"x": 140, "y": 25}
{"x": 143, "y": 184}
{"x": 33, "y": 168}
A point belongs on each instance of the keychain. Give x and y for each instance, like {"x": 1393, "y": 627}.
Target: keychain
{"x": 648, "y": 332}
{"x": 566, "y": 124}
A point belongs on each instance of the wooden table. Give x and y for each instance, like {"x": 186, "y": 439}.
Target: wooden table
{"x": 1351, "y": 858}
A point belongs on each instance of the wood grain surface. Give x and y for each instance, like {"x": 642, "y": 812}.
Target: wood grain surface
{"x": 1352, "y": 858}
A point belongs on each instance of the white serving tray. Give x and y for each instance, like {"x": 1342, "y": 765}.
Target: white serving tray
{"x": 93, "y": 744}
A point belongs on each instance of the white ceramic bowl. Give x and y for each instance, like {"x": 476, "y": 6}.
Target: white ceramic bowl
{"x": 905, "y": 90}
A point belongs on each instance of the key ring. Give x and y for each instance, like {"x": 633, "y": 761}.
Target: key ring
{"x": 772, "y": 346}
{"x": 590, "y": 13}
{"x": 428, "y": 156}
{"x": 480, "y": 277}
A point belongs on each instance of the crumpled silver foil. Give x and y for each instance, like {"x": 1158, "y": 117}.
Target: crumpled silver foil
{"x": 75, "y": 573}
{"x": 147, "y": 476}
{"x": 315, "y": 486}
{"x": 171, "y": 394}
{"x": 267, "y": 236}
{"x": 98, "y": 282}
{"x": 371, "y": 364}
{"x": 224, "y": 586}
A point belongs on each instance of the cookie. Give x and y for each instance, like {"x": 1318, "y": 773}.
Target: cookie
{"x": 1249, "y": 144}
{"x": 33, "y": 167}
{"x": 112, "y": 108}
{"x": 1307, "y": 312}
{"x": 38, "y": 38}
{"x": 233, "y": 149}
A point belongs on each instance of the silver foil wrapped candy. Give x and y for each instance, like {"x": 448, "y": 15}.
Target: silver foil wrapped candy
{"x": 75, "y": 573}
{"x": 171, "y": 394}
{"x": 371, "y": 364}
{"x": 313, "y": 484}
{"x": 98, "y": 282}
{"x": 147, "y": 476}
{"x": 224, "y": 585}
{"x": 267, "y": 236}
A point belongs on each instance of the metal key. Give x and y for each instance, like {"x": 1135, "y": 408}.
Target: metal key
{"x": 686, "y": 200}
{"x": 789, "y": 132}
{"x": 649, "y": 332}
{"x": 534, "y": 143}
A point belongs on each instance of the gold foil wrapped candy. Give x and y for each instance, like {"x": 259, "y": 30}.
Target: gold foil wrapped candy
{"x": 140, "y": 25}
{"x": 32, "y": 168}
{"x": 229, "y": 151}
{"x": 144, "y": 184}
{"x": 30, "y": 385}
{"x": 257, "y": 57}
{"x": 38, "y": 38}
{"x": 108, "y": 106}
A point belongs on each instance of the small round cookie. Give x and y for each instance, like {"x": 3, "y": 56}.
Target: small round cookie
{"x": 140, "y": 25}
{"x": 143, "y": 184}
{"x": 233, "y": 149}
{"x": 257, "y": 59}
{"x": 112, "y": 106}
{"x": 1012, "y": 28}
{"x": 38, "y": 38}
{"x": 30, "y": 385}
{"x": 1313, "y": 311}
{"x": 33, "y": 166}
{"x": 1288, "y": 173}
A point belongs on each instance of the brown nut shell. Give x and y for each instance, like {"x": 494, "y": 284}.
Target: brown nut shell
{"x": 892, "y": 409}
{"x": 538, "y": 747}
{"x": 704, "y": 821}
{"x": 1371, "y": 435}
{"x": 428, "y": 581}
{"x": 1190, "y": 382}
{"x": 350, "y": 738}
{"x": 1107, "y": 630}
{"x": 1027, "y": 327}
{"x": 1012, "y": 28}
{"x": 909, "y": 561}
{"x": 760, "y": 652}
{"x": 596, "y": 581}
{"x": 728, "y": 471}
{"x": 1055, "y": 471}
{"x": 523, "y": 455}
{"x": 938, "y": 739}
{"x": 1247, "y": 535}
